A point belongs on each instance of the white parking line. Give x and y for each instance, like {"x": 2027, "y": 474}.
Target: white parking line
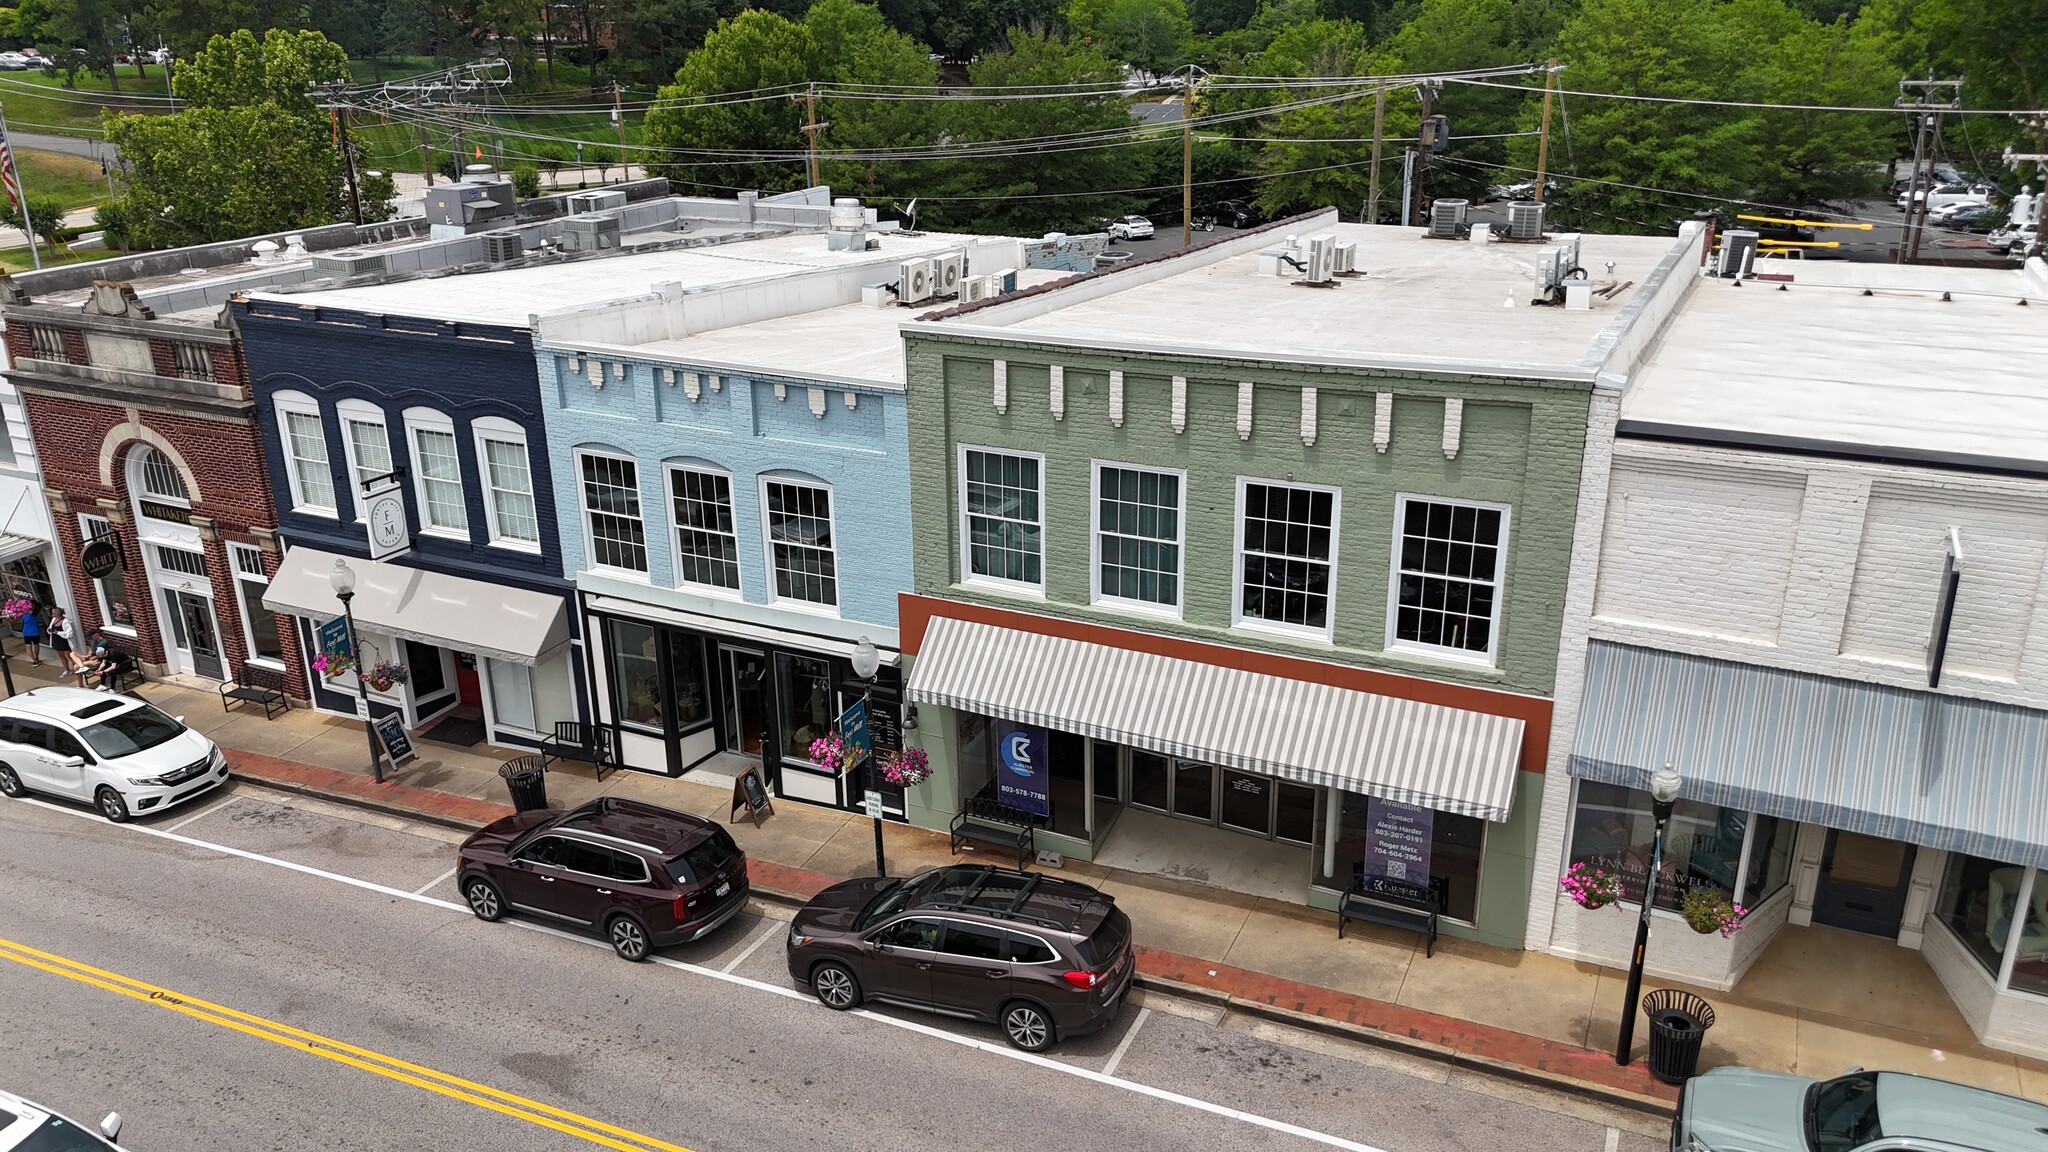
{"x": 422, "y": 890}
{"x": 761, "y": 937}
{"x": 203, "y": 813}
{"x": 1613, "y": 1139}
{"x": 1124, "y": 1045}
{"x": 1044, "y": 1062}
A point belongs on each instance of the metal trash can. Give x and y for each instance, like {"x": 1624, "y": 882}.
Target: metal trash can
{"x": 1678, "y": 1025}
{"x": 526, "y": 782}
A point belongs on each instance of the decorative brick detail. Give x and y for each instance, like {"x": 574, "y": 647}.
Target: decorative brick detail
{"x": 1116, "y": 398}
{"x": 1382, "y": 420}
{"x": 1244, "y": 409}
{"x": 1059, "y": 391}
{"x": 1180, "y": 404}
{"x": 1308, "y": 417}
{"x": 1454, "y": 426}
{"x": 1002, "y": 393}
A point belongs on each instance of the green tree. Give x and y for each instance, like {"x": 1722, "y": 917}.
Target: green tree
{"x": 1810, "y": 158}
{"x": 1149, "y": 35}
{"x": 238, "y": 70}
{"x": 655, "y": 36}
{"x": 46, "y": 219}
{"x": 855, "y": 45}
{"x": 689, "y": 124}
{"x": 377, "y": 191}
{"x": 211, "y": 174}
{"x": 1210, "y": 17}
{"x": 525, "y": 181}
{"x": 89, "y": 33}
{"x": 1446, "y": 35}
{"x": 963, "y": 30}
{"x": 1999, "y": 47}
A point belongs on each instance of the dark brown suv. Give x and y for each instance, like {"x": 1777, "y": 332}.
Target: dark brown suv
{"x": 644, "y": 875}
{"x": 1043, "y": 957}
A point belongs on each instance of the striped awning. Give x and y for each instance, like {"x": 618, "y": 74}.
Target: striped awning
{"x": 1402, "y": 750}
{"x": 1939, "y": 771}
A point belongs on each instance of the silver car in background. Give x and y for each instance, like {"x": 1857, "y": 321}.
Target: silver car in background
{"x": 1751, "y": 1110}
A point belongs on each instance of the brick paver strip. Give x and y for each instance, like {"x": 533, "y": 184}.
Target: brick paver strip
{"x": 1480, "y": 1044}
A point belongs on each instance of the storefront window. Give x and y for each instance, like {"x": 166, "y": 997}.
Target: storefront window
{"x": 1770, "y": 859}
{"x": 686, "y": 674}
{"x": 1613, "y": 828}
{"x": 1067, "y": 793}
{"x": 532, "y": 699}
{"x": 114, "y": 611}
{"x": 807, "y": 704}
{"x": 1367, "y": 832}
{"x": 1979, "y": 899}
{"x": 636, "y": 673}
{"x": 28, "y": 577}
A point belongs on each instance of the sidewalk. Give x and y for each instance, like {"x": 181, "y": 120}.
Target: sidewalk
{"x": 1531, "y": 1016}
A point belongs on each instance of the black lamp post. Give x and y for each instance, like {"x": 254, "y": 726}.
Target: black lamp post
{"x": 1663, "y": 796}
{"x": 343, "y": 578}
{"x": 866, "y": 662}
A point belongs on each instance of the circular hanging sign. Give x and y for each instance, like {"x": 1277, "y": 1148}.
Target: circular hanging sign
{"x": 100, "y": 559}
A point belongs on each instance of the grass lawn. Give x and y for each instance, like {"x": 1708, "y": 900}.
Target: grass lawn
{"x": 75, "y": 180}
{"x": 39, "y": 103}
{"x": 17, "y": 259}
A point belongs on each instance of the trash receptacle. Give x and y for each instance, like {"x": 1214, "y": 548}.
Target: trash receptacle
{"x": 529, "y": 788}
{"x": 1678, "y": 1024}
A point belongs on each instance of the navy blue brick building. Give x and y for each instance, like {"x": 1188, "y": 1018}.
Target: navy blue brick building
{"x": 475, "y": 608}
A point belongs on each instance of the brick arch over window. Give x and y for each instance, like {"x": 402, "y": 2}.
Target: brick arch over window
{"x": 114, "y": 448}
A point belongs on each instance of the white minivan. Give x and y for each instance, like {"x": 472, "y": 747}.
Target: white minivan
{"x": 115, "y": 752}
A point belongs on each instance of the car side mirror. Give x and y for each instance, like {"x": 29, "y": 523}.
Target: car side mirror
{"x": 179, "y": 719}
{"x": 72, "y": 762}
{"x": 111, "y": 1126}
{"x": 875, "y": 945}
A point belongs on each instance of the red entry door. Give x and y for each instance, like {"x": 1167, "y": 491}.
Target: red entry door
{"x": 467, "y": 688}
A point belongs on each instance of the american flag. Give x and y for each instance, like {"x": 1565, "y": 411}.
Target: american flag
{"x": 8, "y": 176}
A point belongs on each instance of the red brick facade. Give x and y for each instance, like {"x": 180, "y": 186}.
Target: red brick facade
{"x": 231, "y": 503}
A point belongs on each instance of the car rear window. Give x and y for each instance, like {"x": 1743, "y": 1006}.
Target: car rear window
{"x": 713, "y": 853}
{"x": 1107, "y": 940}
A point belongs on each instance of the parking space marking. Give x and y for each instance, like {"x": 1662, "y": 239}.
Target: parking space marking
{"x": 1613, "y": 1140}
{"x": 203, "y": 813}
{"x": 436, "y": 881}
{"x": 770, "y": 928}
{"x": 1047, "y": 1063}
{"x": 1124, "y": 1045}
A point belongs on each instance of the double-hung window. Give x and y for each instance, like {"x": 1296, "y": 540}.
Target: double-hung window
{"x": 1448, "y": 561}
{"x": 707, "y": 547}
{"x": 438, "y": 469}
{"x": 305, "y": 452}
{"x": 259, "y": 624}
{"x": 800, "y": 550}
{"x": 611, "y": 512}
{"x": 1001, "y": 500}
{"x": 508, "y": 482}
{"x": 366, "y": 442}
{"x": 1287, "y": 554}
{"x": 1138, "y": 517}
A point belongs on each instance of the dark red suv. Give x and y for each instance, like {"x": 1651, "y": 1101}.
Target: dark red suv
{"x": 1042, "y": 957}
{"x": 644, "y": 875}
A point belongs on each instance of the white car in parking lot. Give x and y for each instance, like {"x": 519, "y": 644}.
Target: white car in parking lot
{"x": 26, "y": 1126}
{"x": 14, "y": 62}
{"x": 1130, "y": 228}
{"x": 115, "y": 752}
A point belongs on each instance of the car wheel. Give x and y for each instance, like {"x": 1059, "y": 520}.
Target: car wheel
{"x": 483, "y": 898}
{"x": 836, "y": 987}
{"x": 10, "y": 784}
{"x": 111, "y": 805}
{"x": 1027, "y": 1026}
{"x": 628, "y": 937}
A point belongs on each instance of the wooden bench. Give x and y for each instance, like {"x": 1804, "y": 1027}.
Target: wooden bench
{"x": 1391, "y": 903}
{"x": 588, "y": 743}
{"x": 255, "y": 684}
{"x": 985, "y": 820}
{"x": 126, "y": 663}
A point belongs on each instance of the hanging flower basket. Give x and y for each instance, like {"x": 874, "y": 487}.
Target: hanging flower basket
{"x": 18, "y": 608}
{"x": 906, "y": 768}
{"x": 831, "y": 753}
{"x": 1708, "y": 910}
{"x": 1591, "y": 886}
{"x": 331, "y": 665}
{"x": 385, "y": 675}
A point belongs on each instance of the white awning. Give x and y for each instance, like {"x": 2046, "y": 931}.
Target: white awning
{"x": 446, "y": 611}
{"x": 1403, "y": 750}
{"x": 14, "y": 547}
{"x": 735, "y": 628}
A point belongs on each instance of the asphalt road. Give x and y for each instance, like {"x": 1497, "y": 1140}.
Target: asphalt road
{"x": 258, "y": 973}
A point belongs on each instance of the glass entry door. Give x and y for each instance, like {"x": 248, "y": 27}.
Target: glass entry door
{"x": 1247, "y": 802}
{"x": 197, "y": 639}
{"x": 1194, "y": 791}
{"x": 746, "y": 708}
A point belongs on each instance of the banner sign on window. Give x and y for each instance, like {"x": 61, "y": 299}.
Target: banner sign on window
{"x": 1025, "y": 778}
{"x": 1397, "y": 839}
{"x": 334, "y": 639}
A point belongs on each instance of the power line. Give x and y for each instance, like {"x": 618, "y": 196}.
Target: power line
{"x": 1767, "y": 107}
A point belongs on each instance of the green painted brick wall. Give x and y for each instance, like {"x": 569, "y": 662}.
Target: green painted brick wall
{"x": 1522, "y": 444}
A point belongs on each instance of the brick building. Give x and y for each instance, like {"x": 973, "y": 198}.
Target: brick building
{"x": 147, "y": 435}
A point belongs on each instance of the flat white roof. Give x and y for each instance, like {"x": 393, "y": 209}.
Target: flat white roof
{"x": 1821, "y": 363}
{"x": 1447, "y": 302}
{"x": 511, "y": 296}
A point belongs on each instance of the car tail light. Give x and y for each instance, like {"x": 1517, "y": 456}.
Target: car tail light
{"x": 682, "y": 911}
{"x": 1082, "y": 979}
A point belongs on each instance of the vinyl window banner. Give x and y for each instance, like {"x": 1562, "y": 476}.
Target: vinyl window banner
{"x": 1024, "y": 781}
{"x": 1397, "y": 841}
{"x": 334, "y": 638}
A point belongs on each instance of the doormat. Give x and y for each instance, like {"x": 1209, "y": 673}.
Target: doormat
{"x": 456, "y": 730}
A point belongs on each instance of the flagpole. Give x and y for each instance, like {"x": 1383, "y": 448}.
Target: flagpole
{"x": 20, "y": 193}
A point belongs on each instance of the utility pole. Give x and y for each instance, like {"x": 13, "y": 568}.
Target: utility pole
{"x": 426, "y": 156}
{"x": 619, "y": 122}
{"x": 1187, "y": 162}
{"x": 1543, "y": 145}
{"x": 1426, "y": 92}
{"x": 1379, "y": 123}
{"x": 1923, "y": 104}
{"x": 337, "y": 116}
{"x": 811, "y": 129}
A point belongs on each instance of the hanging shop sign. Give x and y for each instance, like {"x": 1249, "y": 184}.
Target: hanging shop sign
{"x": 100, "y": 559}
{"x": 1397, "y": 840}
{"x": 1025, "y": 779}
{"x": 384, "y": 519}
{"x": 853, "y": 728}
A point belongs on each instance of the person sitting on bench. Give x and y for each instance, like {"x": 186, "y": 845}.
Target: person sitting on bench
{"x": 98, "y": 662}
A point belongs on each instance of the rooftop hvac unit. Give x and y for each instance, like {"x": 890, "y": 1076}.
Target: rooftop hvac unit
{"x": 976, "y": 288}
{"x": 348, "y": 263}
{"x": 500, "y": 247}
{"x": 1321, "y": 261}
{"x": 847, "y": 215}
{"x": 914, "y": 281}
{"x": 1525, "y": 220}
{"x": 590, "y": 233}
{"x": 603, "y": 200}
{"x": 1347, "y": 258}
{"x": 1447, "y": 218}
{"x": 949, "y": 270}
{"x": 1738, "y": 253}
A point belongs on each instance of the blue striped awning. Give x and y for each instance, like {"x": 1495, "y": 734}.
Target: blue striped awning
{"x": 1939, "y": 771}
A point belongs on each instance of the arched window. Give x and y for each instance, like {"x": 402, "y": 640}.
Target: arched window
{"x": 157, "y": 476}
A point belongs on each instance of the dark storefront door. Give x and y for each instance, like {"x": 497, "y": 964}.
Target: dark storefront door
{"x": 196, "y": 614}
{"x": 1862, "y": 883}
{"x": 746, "y": 709}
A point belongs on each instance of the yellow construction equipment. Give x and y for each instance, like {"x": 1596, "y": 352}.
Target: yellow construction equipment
{"x": 1803, "y": 223}
{"x": 1801, "y": 243}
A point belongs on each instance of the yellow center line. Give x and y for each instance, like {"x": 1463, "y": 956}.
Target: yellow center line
{"x": 390, "y": 1067}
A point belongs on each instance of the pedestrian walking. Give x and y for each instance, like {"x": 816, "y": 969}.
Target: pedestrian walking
{"x": 59, "y": 632}
{"x": 32, "y": 632}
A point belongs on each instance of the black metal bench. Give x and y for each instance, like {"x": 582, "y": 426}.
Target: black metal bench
{"x": 1393, "y": 904}
{"x": 255, "y": 684}
{"x": 985, "y": 820}
{"x": 588, "y": 743}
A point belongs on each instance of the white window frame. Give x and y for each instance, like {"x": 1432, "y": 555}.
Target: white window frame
{"x": 286, "y": 403}
{"x": 590, "y": 563}
{"x": 1327, "y": 633}
{"x": 139, "y": 476}
{"x": 675, "y": 530}
{"x": 235, "y": 553}
{"x": 418, "y": 420}
{"x": 349, "y": 412}
{"x": 967, "y": 574}
{"x": 485, "y": 430}
{"x": 1095, "y": 595}
{"x": 1484, "y": 659}
{"x": 86, "y": 521}
{"x": 768, "y": 542}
